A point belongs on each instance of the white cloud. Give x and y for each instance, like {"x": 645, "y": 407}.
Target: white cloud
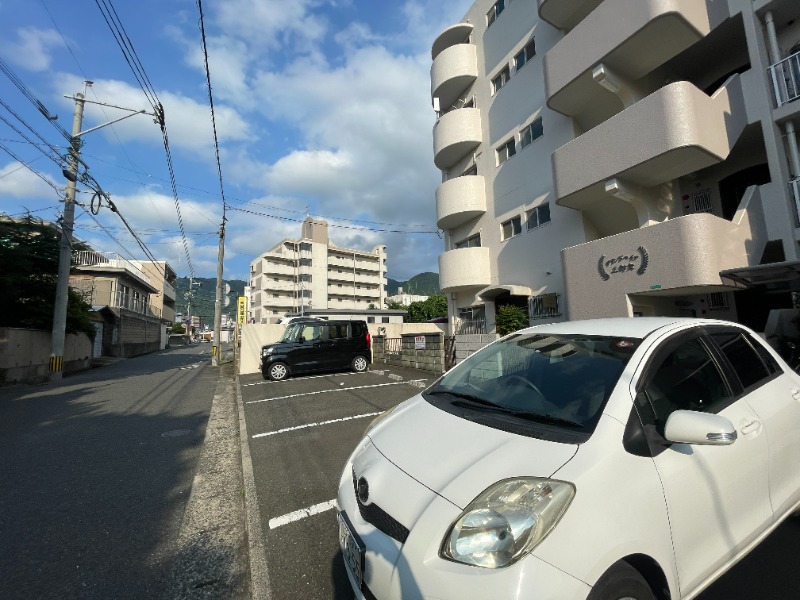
{"x": 32, "y": 49}
{"x": 188, "y": 120}
{"x": 17, "y": 181}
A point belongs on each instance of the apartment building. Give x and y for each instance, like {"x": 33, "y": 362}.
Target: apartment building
{"x": 313, "y": 273}
{"x": 619, "y": 158}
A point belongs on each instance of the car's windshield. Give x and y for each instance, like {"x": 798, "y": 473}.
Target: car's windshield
{"x": 560, "y": 379}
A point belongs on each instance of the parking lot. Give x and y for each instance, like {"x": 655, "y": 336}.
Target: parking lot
{"x": 301, "y": 432}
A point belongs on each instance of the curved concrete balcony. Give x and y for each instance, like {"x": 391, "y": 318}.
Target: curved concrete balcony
{"x": 565, "y": 14}
{"x": 630, "y": 39}
{"x": 455, "y": 34}
{"x": 687, "y": 255}
{"x": 455, "y": 135}
{"x": 460, "y": 200}
{"x": 452, "y": 72}
{"x": 673, "y": 132}
{"x": 464, "y": 268}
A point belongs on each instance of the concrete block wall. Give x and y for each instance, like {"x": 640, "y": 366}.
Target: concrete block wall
{"x": 467, "y": 344}
{"x": 25, "y": 354}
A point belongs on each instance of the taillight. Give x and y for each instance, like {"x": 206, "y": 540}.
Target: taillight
{"x": 369, "y": 341}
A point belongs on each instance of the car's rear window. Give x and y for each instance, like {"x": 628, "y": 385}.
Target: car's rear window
{"x": 557, "y": 380}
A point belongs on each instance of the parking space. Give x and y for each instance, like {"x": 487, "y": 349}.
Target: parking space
{"x": 301, "y": 432}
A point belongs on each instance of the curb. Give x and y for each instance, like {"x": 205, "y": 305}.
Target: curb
{"x": 259, "y": 577}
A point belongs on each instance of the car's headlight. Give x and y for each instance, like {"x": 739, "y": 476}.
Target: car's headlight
{"x": 506, "y": 521}
{"x": 265, "y": 351}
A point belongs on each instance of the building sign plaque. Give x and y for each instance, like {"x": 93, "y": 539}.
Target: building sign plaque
{"x": 624, "y": 263}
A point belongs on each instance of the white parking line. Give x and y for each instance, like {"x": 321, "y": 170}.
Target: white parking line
{"x": 339, "y": 389}
{"x": 372, "y": 414}
{"x": 267, "y": 382}
{"x": 301, "y": 514}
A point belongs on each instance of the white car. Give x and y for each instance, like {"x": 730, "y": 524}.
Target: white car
{"x": 605, "y": 459}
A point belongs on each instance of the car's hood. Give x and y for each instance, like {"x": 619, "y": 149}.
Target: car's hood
{"x": 457, "y": 458}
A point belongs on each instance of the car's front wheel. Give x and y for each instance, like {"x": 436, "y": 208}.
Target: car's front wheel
{"x": 359, "y": 364}
{"x": 622, "y": 582}
{"x": 278, "y": 371}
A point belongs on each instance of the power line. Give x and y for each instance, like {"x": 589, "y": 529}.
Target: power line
{"x": 59, "y": 191}
{"x": 352, "y": 227}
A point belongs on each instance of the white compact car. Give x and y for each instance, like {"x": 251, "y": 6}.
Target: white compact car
{"x": 604, "y": 459}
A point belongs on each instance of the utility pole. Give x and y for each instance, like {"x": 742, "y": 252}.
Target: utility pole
{"x": 65, "y": 248}
{"x": 67, "y": 226}
{"x": 217, "y": 347}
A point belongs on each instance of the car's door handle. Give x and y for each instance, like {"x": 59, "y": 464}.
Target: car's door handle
{"x": 750, "y": 427}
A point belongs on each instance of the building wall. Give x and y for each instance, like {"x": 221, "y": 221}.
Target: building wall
{"x": 650, "y": 113}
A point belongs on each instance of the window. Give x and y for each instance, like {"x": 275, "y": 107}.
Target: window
{"x": 501, "y": 79}
{"x": 531, "y": 133}
{"x": 370, "y": 319}
{"x": 686, "y": 379}
{"x": 384, "y": 319}
{"x": 495, "y": 11}
{"x": 543, "y": 306}
{"x": 506, "y": 151}
{"x": 525, "y": 55}
{"x": 473, "y": 170}
{"x": 470, "y": 242}
{"x": 512, "y": 227}
{"x": 538, "y": 215}
{"x": 718, "y": 301}
{"x": 743, "y": 358}
{"x": 305, "y": 262}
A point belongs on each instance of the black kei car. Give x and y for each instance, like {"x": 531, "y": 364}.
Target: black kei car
{"x": 308, "y": 346}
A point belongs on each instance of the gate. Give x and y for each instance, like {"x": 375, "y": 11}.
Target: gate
{"x": 449, "y": 352}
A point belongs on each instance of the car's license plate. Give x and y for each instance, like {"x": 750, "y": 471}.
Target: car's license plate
{"x": 352, "y": 550}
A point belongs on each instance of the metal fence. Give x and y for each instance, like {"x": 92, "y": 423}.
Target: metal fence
{"x": 392, "y": 345}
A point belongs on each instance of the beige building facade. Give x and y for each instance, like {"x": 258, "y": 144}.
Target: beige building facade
{"x": 313, "y": 273}
{"x": 619, "y": 158}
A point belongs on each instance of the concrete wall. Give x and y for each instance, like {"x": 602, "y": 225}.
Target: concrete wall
{"x": 467, "y": 344}
{"x": 428, "y": 358}
{"x": 25, "y": 354}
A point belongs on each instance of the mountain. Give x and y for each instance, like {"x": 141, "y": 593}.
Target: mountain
{"x": 205, "y": 295}
{"x": 423, "y": 284}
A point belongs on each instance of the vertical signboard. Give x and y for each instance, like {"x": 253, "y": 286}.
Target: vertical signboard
{"x": 241, "y": 312}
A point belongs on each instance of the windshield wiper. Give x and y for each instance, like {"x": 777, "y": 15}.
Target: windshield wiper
{"x": 549, "y": 419}
{"x": 469, "y": 397}
{"x": 469, "y": 401}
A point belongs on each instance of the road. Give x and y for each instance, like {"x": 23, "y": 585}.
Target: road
{"x": 301, "y": 432}
{"x": 95, "y": 475}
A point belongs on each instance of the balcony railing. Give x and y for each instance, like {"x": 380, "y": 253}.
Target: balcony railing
{"x": 120, "y": 299}
{"x": 90, "y": 258}
{"x": 785, "y": 77}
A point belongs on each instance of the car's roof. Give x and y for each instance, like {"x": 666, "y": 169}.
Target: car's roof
{"x": 629, "y": 327}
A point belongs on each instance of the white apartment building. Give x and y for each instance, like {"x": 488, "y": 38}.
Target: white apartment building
{"x": 313, "y": 273}
{"x": 619, "y": 158}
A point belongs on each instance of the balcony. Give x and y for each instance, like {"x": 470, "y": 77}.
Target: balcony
{"x": 464, "y": 268}
{"x": 460, "y": 200}
{"x": 673, "y": 132}
{"x": 680, "y": 257}
{"x": 785, "y": 78}
{"x": 110, "y": 263}
{"x": 794, "y": 187}
{"x": 455, "y": 34}
{"x": 455, "y": 135}
{"x": 452, "y": 72}
{"x": 629, "y": 39}
{"x": 169, "y": 291}
{"x": 565, "y": 14}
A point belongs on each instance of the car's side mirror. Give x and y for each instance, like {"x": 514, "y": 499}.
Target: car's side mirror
{"x": 691, "y": 427}
{"x": 301, "y": 339}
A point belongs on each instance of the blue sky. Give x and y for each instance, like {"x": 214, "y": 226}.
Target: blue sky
{"x": 322, "y": 106}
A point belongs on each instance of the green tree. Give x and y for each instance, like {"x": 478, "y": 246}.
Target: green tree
{"x": 510, "y": 318}
{"x": 178, "y": 328}
{"x": 29, "y": 254}
{"x": 393, "y": 305}
{"x": 420, "y": 312}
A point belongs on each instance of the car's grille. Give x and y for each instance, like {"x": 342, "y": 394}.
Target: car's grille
{"x": 379, "y": 518}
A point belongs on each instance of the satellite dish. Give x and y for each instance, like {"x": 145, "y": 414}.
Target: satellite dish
{"x": 227, "y": 290}
{"x": 227, "y": 301}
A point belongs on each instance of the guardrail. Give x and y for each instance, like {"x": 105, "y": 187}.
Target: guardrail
{"x": 785, "y": 76}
